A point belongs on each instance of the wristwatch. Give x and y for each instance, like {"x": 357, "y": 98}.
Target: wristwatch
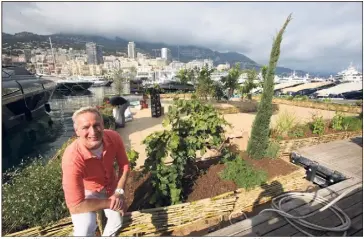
{"x": 119, "y": 191}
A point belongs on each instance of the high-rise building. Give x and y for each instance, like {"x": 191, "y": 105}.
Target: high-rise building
{"x": 94, "y": 54}
{"x": 166, "y": 54}
{"x": 131, "y": 50}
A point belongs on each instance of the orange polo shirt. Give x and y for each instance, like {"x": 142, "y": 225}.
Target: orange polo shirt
{"x": 84, "y": 171}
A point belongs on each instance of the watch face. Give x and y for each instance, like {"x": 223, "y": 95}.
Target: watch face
{"x": 119, "y": 191}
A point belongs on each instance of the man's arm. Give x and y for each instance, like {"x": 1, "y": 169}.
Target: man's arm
{"x": 74, "y": 191}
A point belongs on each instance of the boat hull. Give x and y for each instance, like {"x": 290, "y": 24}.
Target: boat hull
{"x": 73, "y": 86}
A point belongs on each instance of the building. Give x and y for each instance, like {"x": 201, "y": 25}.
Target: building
{"x": 166, "y": 54}
{"x": 94, "y": 54}
{"x": 131, "y": 50}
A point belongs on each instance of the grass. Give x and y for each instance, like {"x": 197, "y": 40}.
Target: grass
{"x": 285, "y": 123}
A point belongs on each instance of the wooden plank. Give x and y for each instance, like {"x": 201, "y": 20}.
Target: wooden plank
{"x": 353, "y": 212}
{"x": 344, "y": 203}
{"x": 356, "y": 225}
{"x": 358, "y": 234}
{"x": 245, "y": 226}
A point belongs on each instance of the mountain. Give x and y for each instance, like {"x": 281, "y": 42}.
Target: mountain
{"x": 117, "y": 44}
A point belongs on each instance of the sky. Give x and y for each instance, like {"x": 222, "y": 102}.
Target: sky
{"x": 322, "y": 37}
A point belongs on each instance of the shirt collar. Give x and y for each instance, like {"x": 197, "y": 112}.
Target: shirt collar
{"x": 86, "y": 153}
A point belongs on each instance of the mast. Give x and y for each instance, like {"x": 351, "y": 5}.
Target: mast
{"x": 54, "y": 62}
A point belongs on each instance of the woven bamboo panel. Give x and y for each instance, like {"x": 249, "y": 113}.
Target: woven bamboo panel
{"x": 153, "y": 222}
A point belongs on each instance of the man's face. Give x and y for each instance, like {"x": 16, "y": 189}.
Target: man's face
{"x": 90, "y": 128}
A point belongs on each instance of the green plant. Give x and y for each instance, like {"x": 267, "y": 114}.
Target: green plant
{"x": 249, "y": 83}
{"x": 192, "y": 126}
{"x": 259, "y": 139}
{"x": 351, "y": 123}
{"x": 298, "y": 131}
{"x": 273, "y": 149}
{"x": 230, "y": 81}
{"x": 33, "y": 196}
{"x": 326, "y": 100}
{"x": 243, "y": 175}
{"x": 318, "y": 125}
{"x": 133, "y": 157}
{"x": 337, "y": 121}
{"x": 205, "y": 85}
{"x": 285, "y": 123}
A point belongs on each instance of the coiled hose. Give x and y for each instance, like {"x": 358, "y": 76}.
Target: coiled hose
{"x": 295, "y": 221}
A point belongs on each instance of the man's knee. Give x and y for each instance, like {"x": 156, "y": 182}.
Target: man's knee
{"x": 84, "y": 224}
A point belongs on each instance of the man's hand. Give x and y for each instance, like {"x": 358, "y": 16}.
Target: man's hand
{"x": 117, "y": 201}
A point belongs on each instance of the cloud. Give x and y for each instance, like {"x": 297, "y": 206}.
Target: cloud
{"x": 323, "y": 36}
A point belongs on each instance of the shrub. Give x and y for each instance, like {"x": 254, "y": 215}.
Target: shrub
{"x": 33, "y": 196}
{"x": 298, "y": 131}
{"x": 318, "y": 125}
{"x": 337, "y": 121}
{"x": 285, "y": 123}
{"x": 133, "y": 157}
{"x": 243, "y": 175}
{"x": 352, "y": 123}
{"x": 259, "y": 140}
{"x": 326, "y": 100}
{"x": 273, "y": 149}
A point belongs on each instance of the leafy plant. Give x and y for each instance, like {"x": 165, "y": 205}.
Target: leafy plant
{"x": 243, "y": 175}
{"x": 298, "y": 131}
{"x": 352, "y": 123}
{"x": 230, "y": 81}
{"x": 337, "y": 121}
{"x": 259, "y": 139}
{"x": 191, "y": 127}
{"x": 133, "y": 157}
{"x": 33, "y": 196}
{"x": 326, "y": 100}
{"x": 318, "y": 125}
{"x": 249, "y": 83}
{"x": 205, "y": 85}
{"x": 285, "y": 123}
{"x": 218, "y": 92}
{"x": 273, "y": 149}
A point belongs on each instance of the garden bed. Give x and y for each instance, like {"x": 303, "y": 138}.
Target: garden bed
{"x": 207, "y": 184}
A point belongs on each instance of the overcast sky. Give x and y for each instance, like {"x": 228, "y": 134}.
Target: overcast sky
{"x": 323, "y": 36}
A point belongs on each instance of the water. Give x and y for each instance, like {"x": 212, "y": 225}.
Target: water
{"x": 41, "y": 139}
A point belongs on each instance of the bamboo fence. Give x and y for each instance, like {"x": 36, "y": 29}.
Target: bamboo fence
{"x": 156, "y": 221}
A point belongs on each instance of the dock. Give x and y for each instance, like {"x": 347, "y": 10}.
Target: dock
{"x": 342, "y": 157}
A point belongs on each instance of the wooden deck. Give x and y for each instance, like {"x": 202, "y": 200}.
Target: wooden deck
{"x": 344, "y": 156}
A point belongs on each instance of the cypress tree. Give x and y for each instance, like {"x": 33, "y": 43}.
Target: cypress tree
{"x": 259, "y": 139}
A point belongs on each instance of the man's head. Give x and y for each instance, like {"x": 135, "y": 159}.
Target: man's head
{"x": 89, "y": 126}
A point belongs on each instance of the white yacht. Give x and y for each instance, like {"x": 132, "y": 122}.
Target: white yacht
{"x": 349, "y": 75}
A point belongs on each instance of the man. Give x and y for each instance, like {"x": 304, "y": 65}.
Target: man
{"x": 89, "y": 179}
{"x": 120, "y": 104}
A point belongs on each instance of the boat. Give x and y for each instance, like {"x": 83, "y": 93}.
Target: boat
{"x": 25, "y": 96}
{"x": 97, "y": 81}
{"x": 349, "y": 75}
{"x": 73, "y": 84}
{"x": 306, "y": 89}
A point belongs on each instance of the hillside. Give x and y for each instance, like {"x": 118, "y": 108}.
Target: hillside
{"x": 111, "y": 46}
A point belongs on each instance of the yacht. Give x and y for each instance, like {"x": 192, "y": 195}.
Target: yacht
{"x": 73, "y": 84}
{"x": 346, "y": 90}
{"x": 97, "y": 80}
{"x": 25, "y": 96}
{"x": 349, "y": 75}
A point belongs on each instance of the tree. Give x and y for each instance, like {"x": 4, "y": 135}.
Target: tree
{"x": 119, "y": 81}
{"x": 182, "y": 76}
{"x": 249, "y": 83}
{"x": 259, "y": 140}
{"x": 205, "y": 85}
{"x": 231, "y": 80}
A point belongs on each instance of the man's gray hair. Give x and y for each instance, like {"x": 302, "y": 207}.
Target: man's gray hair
{"x": 87, "y": 109}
